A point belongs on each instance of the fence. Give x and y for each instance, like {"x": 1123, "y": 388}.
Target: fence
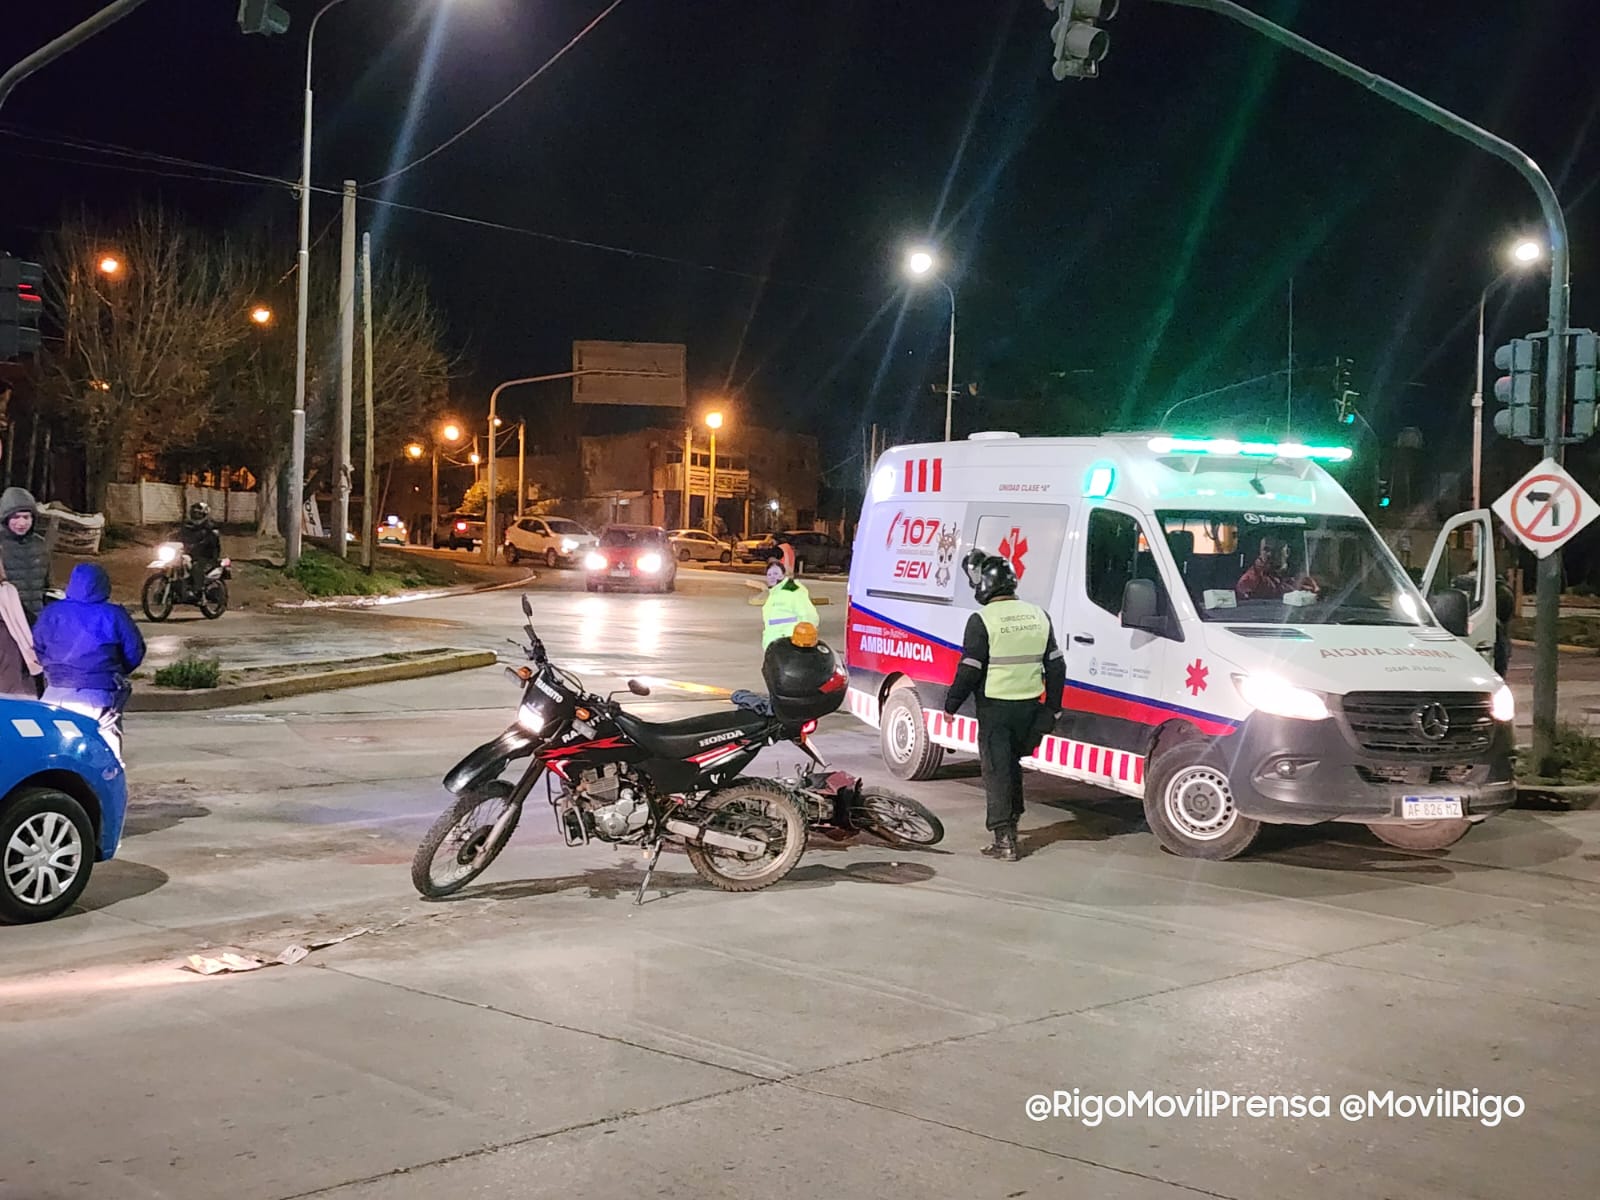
{"x": 166, "y": 504}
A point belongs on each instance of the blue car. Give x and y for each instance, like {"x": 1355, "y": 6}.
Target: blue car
{"x": 63, "y": 796}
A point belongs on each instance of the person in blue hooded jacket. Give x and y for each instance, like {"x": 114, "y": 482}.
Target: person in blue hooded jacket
{"x": 88, "y": 647}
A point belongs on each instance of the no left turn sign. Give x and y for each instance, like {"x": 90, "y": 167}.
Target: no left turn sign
{"x": 1545, "y": 508}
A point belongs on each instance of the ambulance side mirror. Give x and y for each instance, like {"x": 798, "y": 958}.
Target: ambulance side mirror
{"x": 1140, "y": 607}
{"x": 1451, "y": 609}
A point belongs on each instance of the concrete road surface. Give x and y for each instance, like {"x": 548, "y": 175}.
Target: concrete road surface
{"x": 874, "y": 1026}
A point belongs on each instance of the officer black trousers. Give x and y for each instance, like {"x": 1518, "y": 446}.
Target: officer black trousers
{"x": 1005, "y": 735}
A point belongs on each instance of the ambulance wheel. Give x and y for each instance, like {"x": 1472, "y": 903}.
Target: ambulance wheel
{"x": 908, "y": 751}
{"x": 1422, "y": 835}
{"x": 1189, "y": 805}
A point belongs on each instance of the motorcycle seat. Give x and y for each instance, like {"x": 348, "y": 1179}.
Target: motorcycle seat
{"x": 681, "y": 740}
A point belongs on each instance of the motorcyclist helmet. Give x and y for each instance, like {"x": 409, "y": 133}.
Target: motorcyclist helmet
{"x": 199, "y": 511}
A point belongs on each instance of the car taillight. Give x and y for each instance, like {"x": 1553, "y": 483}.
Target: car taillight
{"x": 461, "y": 526}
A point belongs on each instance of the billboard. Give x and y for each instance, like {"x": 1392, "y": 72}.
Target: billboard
{"x": 639, "y": 374}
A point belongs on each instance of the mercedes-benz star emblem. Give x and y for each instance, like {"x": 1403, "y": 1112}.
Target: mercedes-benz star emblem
{"x": 1432, "y": 721}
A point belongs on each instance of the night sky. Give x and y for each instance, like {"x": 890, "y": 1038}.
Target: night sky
{"x": 1115, "y": 244}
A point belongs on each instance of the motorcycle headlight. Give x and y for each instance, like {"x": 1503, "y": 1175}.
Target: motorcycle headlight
{"x": 530, "y": 718}
{"x": 568, "y": 545}
{"x": 1271, "y": 695}
{"x": 650, "y": 563}
{"x": 166, "y": 552}
{"x": 1504, "y": 705}
{"x": 595, "y": 561}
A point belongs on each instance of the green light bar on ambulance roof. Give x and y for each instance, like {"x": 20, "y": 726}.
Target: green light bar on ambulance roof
{"x": 1231, "y": 448}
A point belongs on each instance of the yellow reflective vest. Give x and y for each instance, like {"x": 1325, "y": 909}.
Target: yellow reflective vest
{"x": 1019, "y": 635}
{"x": 787, "y": 605}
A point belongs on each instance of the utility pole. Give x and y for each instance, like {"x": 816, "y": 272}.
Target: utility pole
{"x": 369, "y": 518}
{"x": 522, "y": 465}
{"x": 347, "y": 344}
{"x": 1288, "y": 378}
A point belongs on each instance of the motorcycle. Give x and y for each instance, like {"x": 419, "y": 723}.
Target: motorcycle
{"x": 171, "y": 582}
{"x": 839, "y": 805}
{"x": 612, "y": 777}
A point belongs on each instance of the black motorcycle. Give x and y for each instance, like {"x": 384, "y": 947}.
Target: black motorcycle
{"x": 612, "y": 777}
{"x": 171, "y": 582}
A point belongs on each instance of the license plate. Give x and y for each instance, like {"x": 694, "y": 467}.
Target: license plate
{"x": 621, "y": 571}
{"x": 1429, "y": 808}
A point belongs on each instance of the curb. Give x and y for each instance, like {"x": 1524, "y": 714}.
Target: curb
{"x": 164, "y": 700}
{"x": 1562, "y": 647}
{"x": 465, "y": 589}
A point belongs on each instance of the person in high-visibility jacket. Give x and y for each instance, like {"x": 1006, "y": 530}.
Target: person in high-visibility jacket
{"x": 1009, "y": 658}
{"x": 787, "y": 603}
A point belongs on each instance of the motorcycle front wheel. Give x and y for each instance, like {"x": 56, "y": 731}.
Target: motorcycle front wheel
{"x": 156, "y": 599}
{"x": 214, "y": 601}
{"x": 466, "y": 838}
{"x": 762, "y": 811}
{"x": 898, "y": 820}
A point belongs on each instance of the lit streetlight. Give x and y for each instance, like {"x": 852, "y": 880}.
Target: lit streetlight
{"x": 110, "y": 265}
{"x": 451, "y": 433}
{"x": 920, "y": 264}
{"x": 448, "y": 432}
{"x": 474, "y": 458}
{"x": 1523, "y": 254}
{"x": 261, "y": 315}
{"x": 713, "y": 423}
{"x": 415, "y": 450}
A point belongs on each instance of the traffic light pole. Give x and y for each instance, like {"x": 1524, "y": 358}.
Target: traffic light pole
{"x": 1549, "y": 594}
{"x": 77, "y": 35}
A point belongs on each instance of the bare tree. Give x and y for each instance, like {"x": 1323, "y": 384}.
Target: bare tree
{"x": 147, "y": 310}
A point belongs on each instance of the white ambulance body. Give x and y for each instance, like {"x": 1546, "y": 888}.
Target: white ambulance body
{"x": 1224, "y": 695}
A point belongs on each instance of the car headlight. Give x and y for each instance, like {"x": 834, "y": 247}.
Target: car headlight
{"x": 530, "y": 718}
{"x": 1504, "y": 705}
{"x": 568, "y": 545}
{"x": 595, "y": 561}
{"x": 1271, "y": 695}
{"x": 650, "y": 563}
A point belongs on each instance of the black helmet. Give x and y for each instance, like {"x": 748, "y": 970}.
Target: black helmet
{"x": 199, "y": 511}
{"x": 991, "y": 576}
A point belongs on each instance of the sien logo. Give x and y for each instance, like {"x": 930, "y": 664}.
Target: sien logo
{"x": 912, "y": 531}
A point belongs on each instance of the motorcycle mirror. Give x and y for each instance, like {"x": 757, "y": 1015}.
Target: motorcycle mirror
{"x": 637, "y": 688}
{"x": 527, "y": 609}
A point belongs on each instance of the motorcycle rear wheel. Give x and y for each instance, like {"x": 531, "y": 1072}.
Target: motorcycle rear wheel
{"x": 464, "y": 840}
{"x": 156, "y": 599}
{"x": 214, "y": 601}
{"x": 898, "y": 820}
{"x": 751, "y": 808}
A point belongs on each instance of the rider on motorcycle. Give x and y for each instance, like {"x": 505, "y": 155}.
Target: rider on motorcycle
{"x": 202, "y": 543}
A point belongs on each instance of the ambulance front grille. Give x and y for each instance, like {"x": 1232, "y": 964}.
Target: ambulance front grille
{"x": 1394, "y": 723}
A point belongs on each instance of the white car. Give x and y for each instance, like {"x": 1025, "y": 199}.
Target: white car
{"x": 557, "y": 540}
{"x": 699, "y": 546}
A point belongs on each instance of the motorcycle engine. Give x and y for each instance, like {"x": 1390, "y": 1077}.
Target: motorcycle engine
{"x": 626, "y": 812}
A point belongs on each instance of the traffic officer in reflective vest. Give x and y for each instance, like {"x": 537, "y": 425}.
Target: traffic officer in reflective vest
{"x": 787, "y": 603}
{"x": 1010, "y": 659}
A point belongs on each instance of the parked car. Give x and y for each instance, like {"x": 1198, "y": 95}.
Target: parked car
{"x": 813, "y": 551}
{"x": 392, "y": 532}
{"x": 697, "y": 545}
{"x": 458, "y": 531}
{"x": 63, "y": 795}
{"x": 632, "y": 556}
{"x": 754, "y": 549}
{"x": 559, "y": 541}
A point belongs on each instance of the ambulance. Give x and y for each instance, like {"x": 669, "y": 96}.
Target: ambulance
{"x": 1242, "y": 647}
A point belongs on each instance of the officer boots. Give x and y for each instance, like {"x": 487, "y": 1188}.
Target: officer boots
{"x": 1005, "y": 844}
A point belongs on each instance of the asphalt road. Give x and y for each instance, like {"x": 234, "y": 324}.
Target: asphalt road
{"x": 873, "y": 1026}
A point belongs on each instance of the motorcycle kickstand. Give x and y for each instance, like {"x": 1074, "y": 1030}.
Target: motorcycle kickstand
{"x": 655, "y": 855}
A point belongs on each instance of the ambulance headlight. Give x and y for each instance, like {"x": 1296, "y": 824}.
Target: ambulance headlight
{"x": 1270, "y": 695}
{"x": 1504, "y": 705}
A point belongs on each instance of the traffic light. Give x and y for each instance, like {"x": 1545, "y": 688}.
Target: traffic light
{"x": 1344, "y": 397}
{"x": 20, "y": 306}
{"x": 1521, "y": 390}
{"x": 262, "y": 16}
{"x": 1583, "y": 366}
{"x": 1383, "y": 493}
{"x": 1080, "y": 42}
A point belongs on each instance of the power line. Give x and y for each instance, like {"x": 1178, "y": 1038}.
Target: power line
{"x": 496, "y": 107}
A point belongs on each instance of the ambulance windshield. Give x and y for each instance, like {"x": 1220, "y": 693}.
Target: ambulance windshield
{"x": 1290, "y": 569}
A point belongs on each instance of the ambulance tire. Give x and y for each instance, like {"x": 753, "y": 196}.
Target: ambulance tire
{"x": 903, "y": 739}
{"x": 1189, "y": 805}
{"x": 1422, "y": 835}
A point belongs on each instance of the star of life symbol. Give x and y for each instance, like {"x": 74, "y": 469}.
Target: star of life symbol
{"x": 1197, "y": 674}
{"x": 1013, "y": 548}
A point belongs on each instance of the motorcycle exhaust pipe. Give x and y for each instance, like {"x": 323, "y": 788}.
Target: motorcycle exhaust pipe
{"x": 710, "y": 837}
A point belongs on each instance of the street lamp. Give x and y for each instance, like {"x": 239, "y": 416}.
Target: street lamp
{"x": 1523, "y": 254}
{"x": 449, "y": 432}
{"x": 919, "y": 265}
{"x": 415, "y": 450}
{"x": 713, "y": 423}
{"x": 261, "y": 315}
{"x": 110, "y": 265}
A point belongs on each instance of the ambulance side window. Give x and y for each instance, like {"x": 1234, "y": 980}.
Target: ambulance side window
{"x": 1118, "y": 551}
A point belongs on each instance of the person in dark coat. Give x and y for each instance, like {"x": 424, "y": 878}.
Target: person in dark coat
{"x": 88, "y": 648}
{"x": 24, "y": 552}
{"x": 203, "y": 544}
